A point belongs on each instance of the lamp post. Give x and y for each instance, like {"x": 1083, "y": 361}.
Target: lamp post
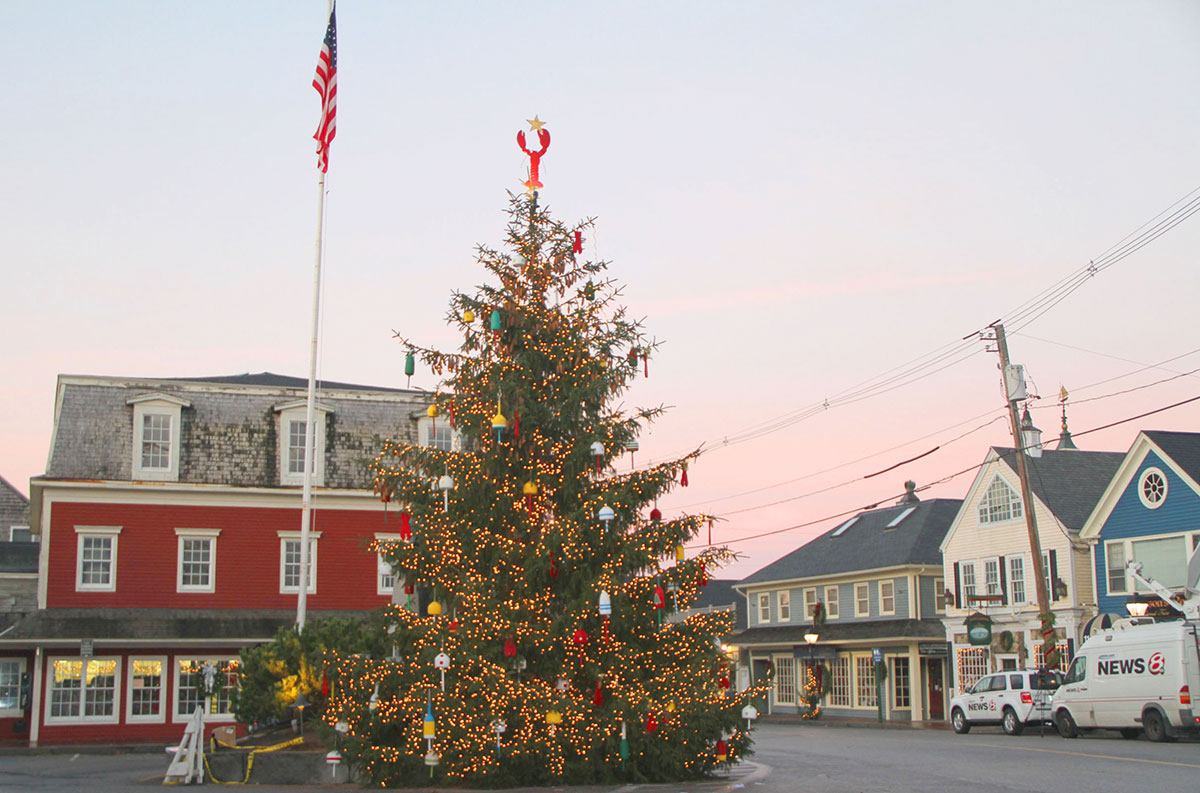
{"x": 299, "y": 705}
{"x": 810, "y": 638}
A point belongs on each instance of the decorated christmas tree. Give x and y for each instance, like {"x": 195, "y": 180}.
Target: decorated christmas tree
{"x": 549, "y": 647}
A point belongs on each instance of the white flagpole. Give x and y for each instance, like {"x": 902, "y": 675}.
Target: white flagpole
{"x": 310, "y": 435}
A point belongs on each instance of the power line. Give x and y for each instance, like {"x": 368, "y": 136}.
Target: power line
{"x": 954, "y": 353}
{"x": 943, "y": 480}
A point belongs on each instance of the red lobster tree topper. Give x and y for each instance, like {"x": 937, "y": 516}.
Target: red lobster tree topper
{"x": 535, "y": 157}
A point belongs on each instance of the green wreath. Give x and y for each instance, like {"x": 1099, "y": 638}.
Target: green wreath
{"x": 1006, "y": 640}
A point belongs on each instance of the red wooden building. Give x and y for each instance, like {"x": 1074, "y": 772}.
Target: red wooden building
{"x": 169, "y": 521}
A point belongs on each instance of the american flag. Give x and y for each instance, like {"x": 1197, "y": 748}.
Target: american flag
{"x": 325, "y": 82}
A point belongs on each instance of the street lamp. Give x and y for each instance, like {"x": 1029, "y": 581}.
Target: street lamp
{"x": 1137, "y": 606}
{"x": 299, "y": 705}
{"x": 810, "y": 638}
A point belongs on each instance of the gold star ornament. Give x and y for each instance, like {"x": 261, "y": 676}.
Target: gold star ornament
{"x": 535, "y": 123}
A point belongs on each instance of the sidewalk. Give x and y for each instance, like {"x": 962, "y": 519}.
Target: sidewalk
{"x": 844, "y": 721}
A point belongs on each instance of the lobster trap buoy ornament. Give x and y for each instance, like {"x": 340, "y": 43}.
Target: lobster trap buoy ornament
{"x": 530, "y": 490}
{"x": 631, "y": 446}
{"x": 441, "y": 662}
{"x": 446, "y": 484}
{"x": 405, "y": 527}
{"x": 498, "y": 727}
{"x": 468, "y": 316}
{"x": 722, "y": 752}
{"x": 655, "y": 514}
{"x": 499, "y": 423}
{"x": 494, "y": 324}
{"x": 410, "y": 366}
{"x": 605, "y": 606}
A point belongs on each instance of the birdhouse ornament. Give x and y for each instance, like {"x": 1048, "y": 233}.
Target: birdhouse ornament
{"x": 446, "y": 484}
{"x": 598, "y": 453}
{"x": 606, "y": 514}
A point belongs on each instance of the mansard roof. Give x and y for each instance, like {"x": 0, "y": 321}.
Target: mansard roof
{"x": 229, "y": 433}
{"x": 869, "y": 541}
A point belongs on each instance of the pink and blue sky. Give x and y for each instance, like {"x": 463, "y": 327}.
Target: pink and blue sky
{"x": 800, "y": 197}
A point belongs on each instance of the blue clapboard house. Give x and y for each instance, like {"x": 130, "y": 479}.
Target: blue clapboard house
{"x": 1150, "y": 513}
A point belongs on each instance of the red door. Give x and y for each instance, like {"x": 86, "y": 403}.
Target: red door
{"x": 933, "y": 677}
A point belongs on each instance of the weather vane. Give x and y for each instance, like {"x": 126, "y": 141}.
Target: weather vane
{"x": 535, "y": 157}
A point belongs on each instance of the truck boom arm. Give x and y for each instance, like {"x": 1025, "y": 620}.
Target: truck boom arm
{"x": 1189, "y": 604}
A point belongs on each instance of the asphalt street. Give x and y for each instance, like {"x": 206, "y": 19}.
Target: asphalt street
{"x": 791, "y": 757}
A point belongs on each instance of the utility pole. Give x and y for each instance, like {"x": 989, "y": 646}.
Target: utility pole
{"x": 1014, "y": 390}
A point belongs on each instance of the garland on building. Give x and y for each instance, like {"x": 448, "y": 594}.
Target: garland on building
{"x": 550, "y": 649}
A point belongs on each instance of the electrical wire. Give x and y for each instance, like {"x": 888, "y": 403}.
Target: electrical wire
{"x": 940, "y": 481}
{"x": 954, "y": 353}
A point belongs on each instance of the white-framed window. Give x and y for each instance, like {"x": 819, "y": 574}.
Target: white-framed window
{"x": 864, "y": 681}
{"x": 887, "y": 597}
{"x": 785, "y": 679}
{"x": 1016, "y": 580}
{"x": 810, "y": 602}
{"x": 1152, "y": 488}
{"x": 436, "y": 433}
{"x": 831, "y": 603}
{"x": 289, "y": 561}
{"x": 972, "y": 664}
{"x": 966, "y": 577}
{"x": 385, "y": 577}
{"x": 11, "y": 672}
{"x": 96, "y": 558}
{"x": 196, "y": 569}
{"x": 1039, "y": 656}
{"x": 839, "y": 692}
{"x": 1163, "y": 558}
{"x": 189, "y": 687}
{"x": 785, "y": 605}
{"x": 999, "y": 503}
{"x": 20, "y": 534}
{"x": 83, "y": 690}
{"x": 939, "y": 595}
{"x": 764, "y": 607}
{"x": 1114, "y": 558}
{"x": 157, "y": 420}
{"x": 862, "y": 600}
{"x": 147, "y": 689}
{"x": 1046, "y": 576}
{"x": 991, "y": 576}
{"x": 901, "y": 686}
{"x": 292, "y": 442}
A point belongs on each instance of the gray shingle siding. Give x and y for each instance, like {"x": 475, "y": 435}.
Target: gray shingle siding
{"x": 229, "y": 434}
{"x": 14, "y": 509}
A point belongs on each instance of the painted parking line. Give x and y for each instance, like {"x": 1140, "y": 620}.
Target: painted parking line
{"x": 1088, "y": 754}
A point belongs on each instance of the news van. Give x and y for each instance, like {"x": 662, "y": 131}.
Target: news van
{"x": 1137, "y": 675}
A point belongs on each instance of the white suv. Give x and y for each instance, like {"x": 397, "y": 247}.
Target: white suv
{"x": 1012, "y": 698}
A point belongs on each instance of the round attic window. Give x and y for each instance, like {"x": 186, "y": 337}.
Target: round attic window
{"x": 1152, "y": 488}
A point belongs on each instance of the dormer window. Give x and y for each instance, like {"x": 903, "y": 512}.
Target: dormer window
{"x": 293, "y": 442}
{"x": 157, "y": 419}
{"x": 1000, "y": 503}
